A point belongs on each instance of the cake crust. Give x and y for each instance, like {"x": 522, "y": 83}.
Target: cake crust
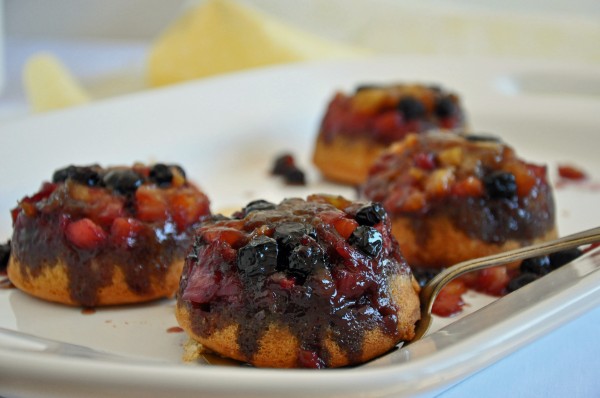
{"x": 433, "y": 249}
{"x": 346, "y": 160}
{"x": 52, "y": 284}
{"x": 279, "y": 347}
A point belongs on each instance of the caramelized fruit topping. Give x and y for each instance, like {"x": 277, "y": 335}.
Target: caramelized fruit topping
{"x": 92, "y": 219}
{"x": 289, "y": 264}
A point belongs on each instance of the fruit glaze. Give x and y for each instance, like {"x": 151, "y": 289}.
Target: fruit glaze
{"x": 479, "y": 182}
{"x": 323, "y": 270}
{"x": 385, "y": 114}
{"x": 93, "y": 220}
{"x": 473, "y": 187}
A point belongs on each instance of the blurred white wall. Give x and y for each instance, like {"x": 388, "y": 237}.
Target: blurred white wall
{"x": 139, "y": 19}
{"x": 515, "y": 28}
{"x": 110, "y": 19}
{"x": 80, "y": 30}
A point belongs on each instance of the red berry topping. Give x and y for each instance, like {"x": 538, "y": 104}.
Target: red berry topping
{"x": 151, "y": 204}
{"x": 306, "y": 266}
{"x": 571, "y": 172}
{"x": 425, "y": 160}
{"x": 124, "y": 231}
{"x": 449, "y": 301}
{"x": 138, "y": 219}
{"x": 85, "y": 234}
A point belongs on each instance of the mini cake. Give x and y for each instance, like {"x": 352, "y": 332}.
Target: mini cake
{"x": 357, "y": 127}
{"x": 306, "y": 283}
{"x": 102, "y": 236}
{"x": 452, "y": 198}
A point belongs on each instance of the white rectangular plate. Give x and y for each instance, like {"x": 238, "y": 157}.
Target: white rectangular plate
{"x": 226, "y": 132}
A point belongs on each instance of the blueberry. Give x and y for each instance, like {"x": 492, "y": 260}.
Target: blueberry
{"x": 370, "y": 214}
{"x": 293, "y": 231}
{"x": 363, "y": 87}
{"x": 536, "y": 265}
{"x": 219, "y": 217}
{"x": 4, "y": 255}
{"x": 294, "y": 176}
{"x": 282, "y": 164}
{"x": 87, "y": 175}
{"x": 259, "y": 205}
{"x": 161, "y": 175}
{"x": 285, "y": 166}
{"x": 482, "y": 138}
{"x": 411, "y": 108}
{"x": 305, "y": 258}
{"x": 367, "y": 239}
{"x": 445, "y": 107}
{"x": 61, "y": 175}
{"x": 520, "y": 281}
{"x": 561, "y": 258}
{"x": 258, "y": 257}
{"x": 424, "y": 275}
{"x": 124, "y": 181}
{"x": 289, "y": 235}
{"x": 500, "y": 185}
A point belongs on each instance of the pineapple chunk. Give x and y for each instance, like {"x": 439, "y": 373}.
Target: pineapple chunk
{"x": 222, "y": 36}
{"x": 451, "y": 157}
{"x": 439, "y": 182}
{"x": 49, "y": 85}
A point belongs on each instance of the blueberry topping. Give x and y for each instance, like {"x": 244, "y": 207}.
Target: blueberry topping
{"x": 61, "y": 175}
{"x": 482, "y": 138}
{"x": 293, "y": 231}
{"x": 305, "y": 258}
{"x": 124, "y": 181}
{"x": 411, "y": 108}
{"x": 561, "y": 258}
{"x": 295, "y": 177}
{"x": 424, "y": 275}
{"x": 259, "y": 205}
{"x": 536, "y": 265}
{"x": 258, "y": 257}
{"x": 219, "y": 217}
{"x": 285, "y": 166}
{"x": 520, "y": 281}
{"x": 161, "y": 175}
{"x": 82, "y": 174}
{"x": 367, "y": 239}
{"x": 282, "y": 164}
{"x": 500, "y": 185}
{"x": 371, "y": 214}
{"x": 288, "y": 235}
{"x": 4, "y": 256}
{"x": 363, "y": 87}
{"x": 445, "y": 107}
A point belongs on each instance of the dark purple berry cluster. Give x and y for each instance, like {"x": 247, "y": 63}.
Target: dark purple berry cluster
{"x": 4, "y": 256}
{"x": 285, "y": 166}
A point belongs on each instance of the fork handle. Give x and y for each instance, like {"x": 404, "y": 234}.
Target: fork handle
{"x": 435, "y": 285}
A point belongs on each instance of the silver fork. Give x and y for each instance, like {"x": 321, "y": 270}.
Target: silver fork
{"x": 431, "y": 290}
